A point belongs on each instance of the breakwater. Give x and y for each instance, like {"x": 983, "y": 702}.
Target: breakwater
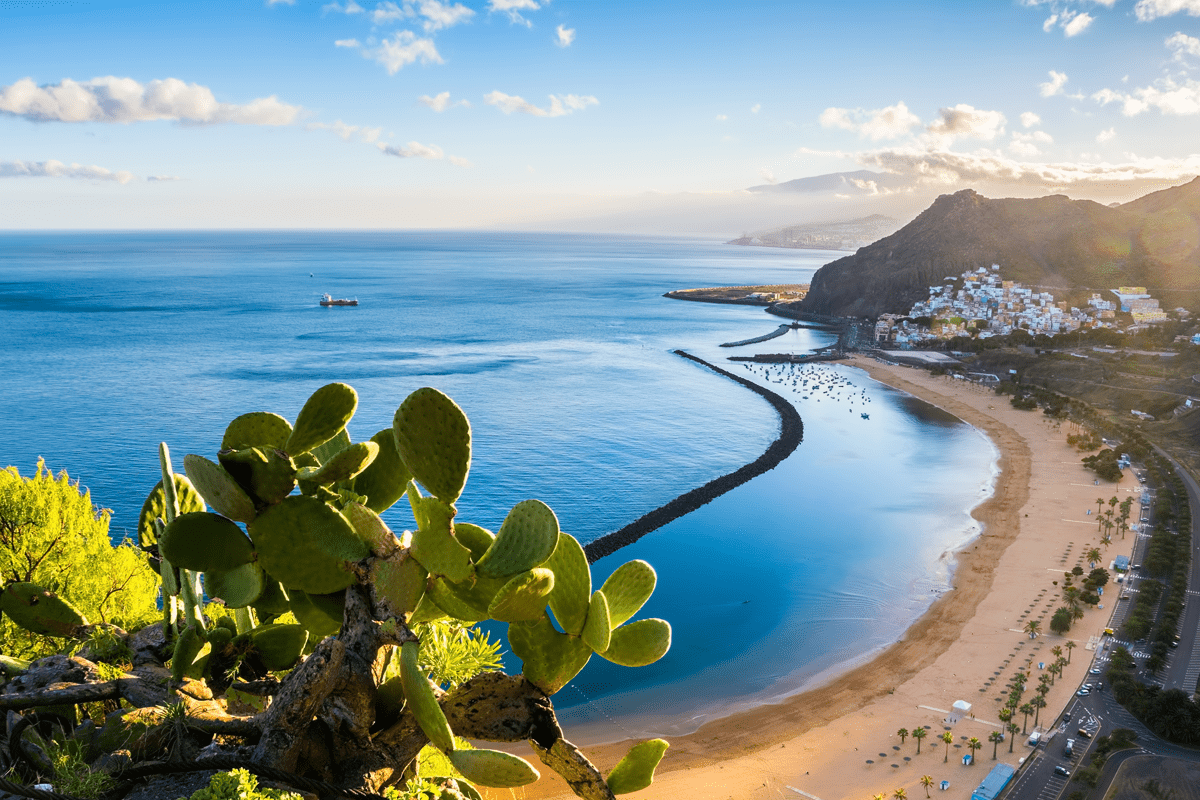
{"x": 791, "y": 433}
{"x": 780, "y": 331}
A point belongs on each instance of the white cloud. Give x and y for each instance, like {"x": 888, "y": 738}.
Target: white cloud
{"x": 1054, "y": 85}
{"x": 884, "y": 123}
{"x": 351, "y": 7}
{"x": 1104, "y": 136}
{"x": 388, "y": 11}
{"x": 721, "y": 117}
{"x": 348, "y": 132}
{"x": 564, "y": 36}
{"x": 280, "y": 2}
{"x": 417, "y": 150}
{"x": 754, "y": 109}
{"x": 163, "y": 178}
{"x": 1077, "y": 25}
{"x": 559, "y": 106}
{"x": 1026, "y": 144}
{"x": 513, "y": 9}
{"x": 1049, "y": 24}
{"x": 1029, "y": 119}
{"x": 1172, "y": 98}
{"x": 402, "y": 49}
{"x": 1147, "y": 10}
{"x": 1182, "y": 45}
{"x": 57, "y": 169}
{"x": 352, "y": 43}
{"x": 441, "y": 102}
{"x": 965, "y": 120}
{"x": 947, "y": 168}
{"x": 443, "y": 15}
{"x": 768, "y": 176}
{"x": 124, "y": 100}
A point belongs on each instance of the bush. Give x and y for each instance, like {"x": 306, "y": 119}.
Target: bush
{"x": 52, "y": 535}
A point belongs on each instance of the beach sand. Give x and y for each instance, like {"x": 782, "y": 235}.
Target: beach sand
{"x": 818, "y": 744}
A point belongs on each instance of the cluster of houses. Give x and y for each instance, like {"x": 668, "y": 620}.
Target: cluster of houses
{"x": 980, "y": 303}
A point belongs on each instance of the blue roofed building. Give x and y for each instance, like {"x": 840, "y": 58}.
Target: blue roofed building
{"x": 1121, "y": 563}
{"x": 994, "y": 783}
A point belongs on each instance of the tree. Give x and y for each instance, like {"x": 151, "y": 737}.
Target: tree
{"x": 903, "y": 734}
{"x": 995, "y": 737}
{"x": 1099, "y": 505}
{"x": 919, "y": 733}
{"x": 1033, "y": 628}
{"x": 1093, "y": 555}
{"x": 1038, "y": 703}
{"x": 1013, "y": 730}
{"x": 927, "y": 782}
{"x": 1026, "y": 709}
{"x": 948, "y": 738}
{"x": 52, "y": 536}
{"x": 974, "y": 744}
{"x": 1061, "y": 621}
{"x": 1070, "y": 646}
{"x": 900, "y": 794}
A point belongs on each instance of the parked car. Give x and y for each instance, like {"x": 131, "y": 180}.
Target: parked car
{"x": 1083, "y": 733}
{"x": 1061, "y": 770}
{"x": 1082, "y": 693}
{"x": 1095, "y": 671}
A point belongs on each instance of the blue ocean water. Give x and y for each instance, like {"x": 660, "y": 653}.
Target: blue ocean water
{"x": 559, "y": 349}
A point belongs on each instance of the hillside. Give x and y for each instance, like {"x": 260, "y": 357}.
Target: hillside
{"x": 1053, "y": 242}
{"x": 849, "y": 235}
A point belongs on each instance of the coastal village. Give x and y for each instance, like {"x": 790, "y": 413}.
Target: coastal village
{"x": 980, "y": 303}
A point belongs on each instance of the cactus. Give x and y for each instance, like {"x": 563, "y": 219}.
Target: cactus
{"x": 635, "y": 771}
{"x": 325, "y": 552}
{"x": 40, "y": 610}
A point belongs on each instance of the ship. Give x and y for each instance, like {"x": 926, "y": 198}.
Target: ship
{"x": 327, "y": 300}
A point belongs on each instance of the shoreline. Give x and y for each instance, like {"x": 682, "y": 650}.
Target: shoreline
{"x": 730, "y": 757}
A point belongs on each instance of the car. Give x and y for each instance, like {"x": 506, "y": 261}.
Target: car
{"x": 1095, "y": 671}
{"x": 1083, "y": 733}
{"x": 1067, "y": 717}
{"x": 1061, "y": 770}
{"x": 1082, "y": 693}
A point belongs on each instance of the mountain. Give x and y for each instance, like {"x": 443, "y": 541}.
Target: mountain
{"x": 1053, "y": 242}
{"x": 849, "y": 235}
{"x": 858, "y": 182}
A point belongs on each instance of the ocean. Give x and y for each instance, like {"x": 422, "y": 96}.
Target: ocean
{"x": 558, "y": 347}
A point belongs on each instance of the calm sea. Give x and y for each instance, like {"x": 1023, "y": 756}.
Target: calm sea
{"x": 558, "y": 348}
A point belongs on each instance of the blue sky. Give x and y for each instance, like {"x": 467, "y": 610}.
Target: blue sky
{"x": 647, "y": 116}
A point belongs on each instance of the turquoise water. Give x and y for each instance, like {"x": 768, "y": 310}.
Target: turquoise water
{"x": 559, "y": 349}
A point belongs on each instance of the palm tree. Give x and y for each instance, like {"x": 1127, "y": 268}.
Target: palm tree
{"x": 948, "y": 738}
{"x": 919, "y": 733}
{"x": 1106, "y": 540}
{"x": 1038, "y": 703}
{"x": 1070, "y": 646}
{"x": 1093, "y": 555}
{"x": 974, "y": 744}
{"x": 1013, "y": 730}
{"x": 1026, "y": 710}
{"x": 1056, "y": 651}
{"x": 1077, "y": 612}
{"x": 1006, "y": 715}
{"x": 880, "y": 796}
{"x": 1099, "y": 505}
{"x": 1033, "y": 628}
{"x": 903, "y": 734}
{"x": 995, "y": 737}
{"x": 900, "y": 794}
{"x": 927, "y": 782}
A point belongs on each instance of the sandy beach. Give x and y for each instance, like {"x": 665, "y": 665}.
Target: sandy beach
{"x": 840, "y": 740}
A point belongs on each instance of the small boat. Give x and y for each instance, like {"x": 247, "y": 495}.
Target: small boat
{"x": 866, "y": 415}
{"x": 326, "y": 300}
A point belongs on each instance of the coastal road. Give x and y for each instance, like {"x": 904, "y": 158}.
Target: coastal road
{"x": 1183, "y": 671}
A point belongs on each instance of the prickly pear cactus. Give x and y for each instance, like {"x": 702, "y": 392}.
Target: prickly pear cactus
{"x": 295, "y": 526}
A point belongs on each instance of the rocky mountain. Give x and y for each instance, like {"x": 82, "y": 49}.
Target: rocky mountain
{"x": 1052, "y": 242}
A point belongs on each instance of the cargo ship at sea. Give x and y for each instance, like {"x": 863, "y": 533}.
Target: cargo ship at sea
{"x": 327, "y": 300}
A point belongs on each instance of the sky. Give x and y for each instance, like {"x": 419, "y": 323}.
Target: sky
{"x": 596, "y": 115}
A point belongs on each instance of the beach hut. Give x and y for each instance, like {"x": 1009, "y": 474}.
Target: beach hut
{"x": 960, "y": 709}
{"x": 945, "y": 785}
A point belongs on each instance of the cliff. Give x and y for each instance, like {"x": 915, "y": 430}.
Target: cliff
{"x": 1051, "y": 242}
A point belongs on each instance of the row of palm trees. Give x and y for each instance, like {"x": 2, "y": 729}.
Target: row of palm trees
{"x": 1107, "y": 519}
{"x": 899, "y": 794}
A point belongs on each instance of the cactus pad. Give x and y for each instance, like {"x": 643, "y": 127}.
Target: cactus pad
{"x": 628, "y": 589}
{"x": 493, "y": 768}
{"x": 598, "y": 630}
{"x": 191, "y": 654}
{"x": 397, "y": 584}
{"x": 635, "y": 771}
{"x": 203, "y": 541}
{"x": 639, "y": 643}
{"x": 371, "y": 529}
{"x": 256, "y": 429}
{"x": 155, "y": 507}
{"x": 238, "y": 587}
{"x": 434, "y": 544}
{"x": 527, "y": 537}
{"x": 422, "y": 700}
{"x": 279, "y": 646}
{"x": 475, "y": 538}
{"x": 267, "y": 476}
{"x": 384, "y": 481}
{"x": 465, "y": 600}
{"x": 219, "y": 488}
{"x": 550, "y": 659}
{"x": 523, "y": 597}
{"x": 39, "y": 610}
{"x": 346, "y": 464}
{"x": 325, "y": 452}
{"x": 318, "y": 620}
{"x": 427, "y": 611}
{"x": 433, "y": 439}
{"x": 307, "y": 545}
{"x": 273, "y": 601}
{"x": 324, "y": 414}
{"x": 572, "y": 584}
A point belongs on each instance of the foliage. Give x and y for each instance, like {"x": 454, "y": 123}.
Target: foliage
{"x": 72, "y": 775}
{"x": 52, "y": 535}
{"x": 239, "y": 784}
{"x": 1104, "y": 464}
{"x": 451, "y": 653}
{"x": 1060, "y": 623}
